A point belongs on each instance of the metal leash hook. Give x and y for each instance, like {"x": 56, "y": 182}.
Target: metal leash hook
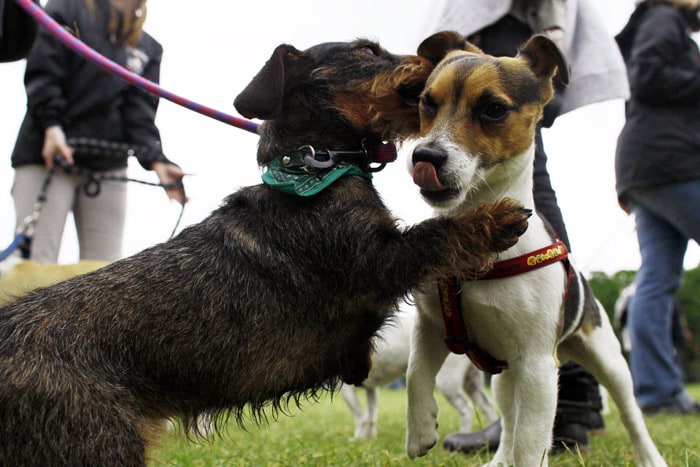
{"x": 310, "y": 158}
{"x": 29, "y": 222}
{"x": 25, "y": 231}
{"x": 336, "y": 157}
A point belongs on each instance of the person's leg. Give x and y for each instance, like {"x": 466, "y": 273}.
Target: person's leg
{"x": 48, "y": 231}
{"x": 678, "y": 334}
{"x": 579, "y": 404}
{"x": 665, "y": 219}
{"x": 100, "y": 220}
{"x": 657, "y": 379}
{"x": 545, "y": 197}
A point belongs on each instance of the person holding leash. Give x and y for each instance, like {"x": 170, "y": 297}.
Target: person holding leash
{"x": 68, "y": 97}
{"x": 500, "y": 27}
{"x": 657, "y": 167}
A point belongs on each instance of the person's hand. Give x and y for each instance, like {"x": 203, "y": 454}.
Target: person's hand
{"x": 55, "y": 143}
{"x": 170, "y": 174}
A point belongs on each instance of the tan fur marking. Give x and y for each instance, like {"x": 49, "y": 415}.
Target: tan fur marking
{"x": 493, "y": 142}
{"x": 379, "y": 113}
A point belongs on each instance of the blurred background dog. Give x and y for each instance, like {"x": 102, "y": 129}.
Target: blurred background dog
{"x": 460, "y": 382}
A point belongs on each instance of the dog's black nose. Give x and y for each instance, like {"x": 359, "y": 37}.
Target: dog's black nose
{"x": 425, "y": 153}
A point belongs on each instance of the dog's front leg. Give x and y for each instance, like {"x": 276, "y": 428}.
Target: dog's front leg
{"x": 349, "y": 393}
{"x": 451, "y": 380}
{"x": 428, "y": 352}
{"x": 527, "y": 396}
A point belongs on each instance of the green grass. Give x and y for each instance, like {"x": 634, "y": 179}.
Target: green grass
{"x": 317, "y": 435}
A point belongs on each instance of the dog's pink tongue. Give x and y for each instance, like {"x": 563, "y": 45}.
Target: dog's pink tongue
{"x": 425, "y": 176}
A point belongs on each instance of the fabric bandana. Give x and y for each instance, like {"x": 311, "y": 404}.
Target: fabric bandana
{"x": 289, "y": 174}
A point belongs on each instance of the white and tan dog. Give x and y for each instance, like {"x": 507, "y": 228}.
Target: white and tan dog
{"x": 462, "y": 384}
{"x": 478, "y": 118}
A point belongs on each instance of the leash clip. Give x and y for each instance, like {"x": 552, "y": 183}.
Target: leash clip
{"x": 310, "y": 158}
{"x": 29, "y": 222}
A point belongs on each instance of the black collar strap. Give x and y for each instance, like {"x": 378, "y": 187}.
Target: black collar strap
{"x": 324, "y": 159}
{"x": 306, "y": 172}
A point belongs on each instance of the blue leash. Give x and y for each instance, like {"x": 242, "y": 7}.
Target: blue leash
{"x": 23, "y": 237}
{"x": 20, "y": 241}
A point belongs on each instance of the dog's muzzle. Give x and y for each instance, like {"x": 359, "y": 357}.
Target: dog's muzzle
{"x": 427, "y": 161}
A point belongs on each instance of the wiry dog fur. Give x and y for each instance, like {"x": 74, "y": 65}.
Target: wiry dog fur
{"x": 478, "y": 117}
{"x": 270, "y": 299}
{"x": 462, "y": 384}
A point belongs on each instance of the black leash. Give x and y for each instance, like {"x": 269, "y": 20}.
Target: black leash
{"x": 92, "y": 186}
{"x": 117, "y": 150}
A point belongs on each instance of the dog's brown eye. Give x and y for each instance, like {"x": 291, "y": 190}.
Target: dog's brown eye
{"x": 494, "y": 112}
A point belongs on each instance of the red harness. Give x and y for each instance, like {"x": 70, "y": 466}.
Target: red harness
{"x": 457, "y": 338}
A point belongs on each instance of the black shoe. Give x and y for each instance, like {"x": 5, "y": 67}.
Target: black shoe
{"x": 569, "y": 437}
{"x": 596, "y": 422}
{"x": 469, "y": 442}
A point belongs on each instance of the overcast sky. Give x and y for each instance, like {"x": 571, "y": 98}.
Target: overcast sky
{"x": 214, "y": 47}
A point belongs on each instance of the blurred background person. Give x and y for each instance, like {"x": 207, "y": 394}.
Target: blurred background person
{"x": 69, "y": 97}
{"x": 17, "y": 31}
{"x": 657, "y": 168}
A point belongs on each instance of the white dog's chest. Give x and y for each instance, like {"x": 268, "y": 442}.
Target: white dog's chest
{"x": 503, "y": 316}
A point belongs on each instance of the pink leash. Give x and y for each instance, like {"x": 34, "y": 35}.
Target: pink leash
{"x": 382, "y": 154}
{"x": 132, "y": 78}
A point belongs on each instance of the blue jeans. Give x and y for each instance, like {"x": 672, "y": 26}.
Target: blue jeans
{"x": 666, "y": 216}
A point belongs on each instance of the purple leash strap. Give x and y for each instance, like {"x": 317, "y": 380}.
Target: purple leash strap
{"x": 132, "y": 78}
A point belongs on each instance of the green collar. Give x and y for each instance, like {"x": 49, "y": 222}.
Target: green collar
{"x": 291, "y": 174}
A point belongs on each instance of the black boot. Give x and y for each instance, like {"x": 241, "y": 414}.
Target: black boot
{"x": 487, "y": 438}
{"x": 578, "y": 409}
{"x": 578, "y": 412}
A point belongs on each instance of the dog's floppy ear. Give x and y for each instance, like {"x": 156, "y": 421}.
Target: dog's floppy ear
{"x": 264, "y": 97}
{"x": 437, "y": 46}
{"x": 546, "y": 59}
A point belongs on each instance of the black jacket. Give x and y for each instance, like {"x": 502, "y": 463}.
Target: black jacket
{"x": 87, "y": 101}
{"x": 17, "y": 31}
{"x": 660, "y": 141}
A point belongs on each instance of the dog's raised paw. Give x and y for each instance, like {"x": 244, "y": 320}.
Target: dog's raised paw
{"x": 485, "y": 230}
{"x": 491, "y": 228}
{"x": 510, "y": 221}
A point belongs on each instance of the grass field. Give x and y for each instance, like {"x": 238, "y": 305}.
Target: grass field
{"x": 318, "y": 435}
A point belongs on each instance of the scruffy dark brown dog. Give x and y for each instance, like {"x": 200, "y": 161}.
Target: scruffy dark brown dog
{"x": 272, "y": 298}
